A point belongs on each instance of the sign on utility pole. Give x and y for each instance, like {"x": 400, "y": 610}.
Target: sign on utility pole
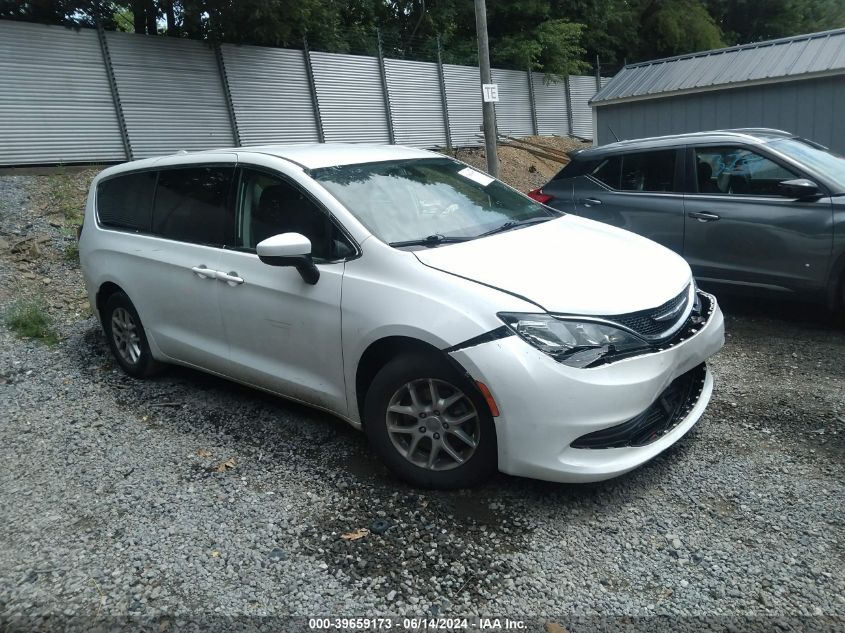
{"x": 490, "y": 92}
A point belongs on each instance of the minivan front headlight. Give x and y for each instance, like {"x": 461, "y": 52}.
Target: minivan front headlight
{"x": 571, "y": 342}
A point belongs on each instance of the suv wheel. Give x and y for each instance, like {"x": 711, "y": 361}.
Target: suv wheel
{"x": 429, "y": 424}
{"x": 126, "y": 337}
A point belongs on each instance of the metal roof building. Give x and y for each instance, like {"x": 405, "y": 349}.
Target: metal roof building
{"x": 795, "y": 84}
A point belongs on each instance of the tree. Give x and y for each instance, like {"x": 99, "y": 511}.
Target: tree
{"x": 557, "y": 37}
{"x": 675, "y": 27}
{"x": 745, "y": 21}
{"x": 553, "y": 47}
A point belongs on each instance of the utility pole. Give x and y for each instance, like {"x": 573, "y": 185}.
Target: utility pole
{"x": 488, "y": 108}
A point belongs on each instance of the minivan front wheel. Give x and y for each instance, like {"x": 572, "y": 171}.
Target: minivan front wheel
{"x": 429, "y": 424}
{"x": 126, "y": 337}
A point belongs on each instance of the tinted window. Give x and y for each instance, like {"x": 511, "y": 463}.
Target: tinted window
{"x": 126, "y": 202}
{"x": 609, "y": 172}
{"x": 269, "y": 205}
{"x": 191, "y": 204}
{"x": 575, "y": 168}
{"x": 649, "y": 171}
{"x": 734, "y": 170}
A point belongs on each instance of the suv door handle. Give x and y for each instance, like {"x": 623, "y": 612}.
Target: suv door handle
{"x": 204, "y": 272}
{"x": 591, "y": 202}
{"x": 230, "y": 278}
{"x": 704, "y": 216}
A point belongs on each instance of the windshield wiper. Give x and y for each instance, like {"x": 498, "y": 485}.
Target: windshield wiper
{"x": 432, "y": 240}
{"x": 514, "y": 224}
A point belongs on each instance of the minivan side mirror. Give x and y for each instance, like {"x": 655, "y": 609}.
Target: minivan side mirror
{"x": 799, "y": 188}
{"x": 289, "y": 249}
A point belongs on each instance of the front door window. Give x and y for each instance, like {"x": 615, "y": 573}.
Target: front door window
{"x": 737, "y": 171}
{"x": 269, "y": 206}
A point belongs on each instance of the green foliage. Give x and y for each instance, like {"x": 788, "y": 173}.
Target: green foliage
{"x": 554, "y": 36}
{"x": 679, "y": 26}
{"x": 71, "y": 252}
{"x": 67, "y": 197}
{"x": 552, "y": 47}
{"x": 745, "y": 21}
{"x": 28, "y": 318}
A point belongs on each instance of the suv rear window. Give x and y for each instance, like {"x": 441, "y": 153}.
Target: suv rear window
{"x": 126, "y": 202}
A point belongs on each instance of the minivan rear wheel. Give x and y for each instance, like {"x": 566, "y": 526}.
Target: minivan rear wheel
{"x": 126, "y": 337}
{"x": 429, "y": 424}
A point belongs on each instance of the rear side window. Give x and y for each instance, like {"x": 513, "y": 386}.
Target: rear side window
{"x": 641, "y": 171}
{"x": 609, "y": 172}
{"x": 126, "y": 202}
{"x": 649, "y": 171}
{"x": 192, "y": 204}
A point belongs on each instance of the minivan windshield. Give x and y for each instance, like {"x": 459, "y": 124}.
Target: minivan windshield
{"x": 827, "y": 163}
{"x": 428, "y": 201}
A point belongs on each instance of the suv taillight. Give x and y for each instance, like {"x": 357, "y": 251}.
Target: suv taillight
{"x": 539, "y": 196}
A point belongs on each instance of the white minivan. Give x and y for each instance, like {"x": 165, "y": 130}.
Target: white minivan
{"x": 463, "y": 326}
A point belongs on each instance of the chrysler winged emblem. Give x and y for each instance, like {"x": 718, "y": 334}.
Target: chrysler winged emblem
{"x": 671, "y": 313}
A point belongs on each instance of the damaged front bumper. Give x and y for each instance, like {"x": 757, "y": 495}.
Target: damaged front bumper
{"x": 549, "y": 411}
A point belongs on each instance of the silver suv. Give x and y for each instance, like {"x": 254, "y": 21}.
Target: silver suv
{"x": 749, "y": 209}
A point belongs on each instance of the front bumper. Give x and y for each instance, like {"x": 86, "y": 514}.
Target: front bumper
{"x": 545, "y": 406}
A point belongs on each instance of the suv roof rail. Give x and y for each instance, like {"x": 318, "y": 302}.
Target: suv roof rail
{"x": 748, "y": 133}
{"x": 757, "y": 130}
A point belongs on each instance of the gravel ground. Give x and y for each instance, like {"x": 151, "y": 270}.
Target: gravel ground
{"x": 188, "y": 497}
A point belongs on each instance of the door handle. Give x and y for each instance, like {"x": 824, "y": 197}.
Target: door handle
{"x": 204, "y": 272}
{"x": 704, "y": 216}
{"x": 591, "y": 202}
{"x": 230, "y": 278}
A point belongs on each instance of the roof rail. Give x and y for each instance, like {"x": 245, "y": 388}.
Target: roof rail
{"x": 747, "y": 133}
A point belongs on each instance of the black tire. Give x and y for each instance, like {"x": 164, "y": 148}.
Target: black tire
{"x": 479, "y": 465}
{"x": 144, "y": 365}
{"x": 839, "y": 304}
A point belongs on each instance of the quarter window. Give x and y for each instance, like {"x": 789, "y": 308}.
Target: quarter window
{"x": 737, "y": 171}
{"x": 269, "y": 205}
{"x": 125, "y": 202}
{"x": 191, "y": 204}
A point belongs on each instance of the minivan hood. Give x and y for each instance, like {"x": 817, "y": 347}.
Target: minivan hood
{"x": 569, "y": 265}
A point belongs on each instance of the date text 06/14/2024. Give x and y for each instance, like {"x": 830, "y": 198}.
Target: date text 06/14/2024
{"x": 407, "y": 624}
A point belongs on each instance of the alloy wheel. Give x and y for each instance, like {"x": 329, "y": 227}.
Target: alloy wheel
{"x": 124, "y": 332}
{"x": 433, "y": 424}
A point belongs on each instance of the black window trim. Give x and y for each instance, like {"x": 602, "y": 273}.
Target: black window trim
{"x": 269, "y": 171}
{"x": 157, "y": 169}
{"x": 691, "y": 180}
{"x": 677, "y": 177}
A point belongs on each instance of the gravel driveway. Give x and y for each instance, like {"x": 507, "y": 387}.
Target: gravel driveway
{"x": 188, "y": 496}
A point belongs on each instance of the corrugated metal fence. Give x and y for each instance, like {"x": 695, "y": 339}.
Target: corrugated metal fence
{"x": 71, "y": 96}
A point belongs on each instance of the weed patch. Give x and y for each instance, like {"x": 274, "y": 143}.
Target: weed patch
{"x": 29, "y": 319}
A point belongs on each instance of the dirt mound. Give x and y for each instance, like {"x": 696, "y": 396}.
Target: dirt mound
{"x": 519, "y": 168}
